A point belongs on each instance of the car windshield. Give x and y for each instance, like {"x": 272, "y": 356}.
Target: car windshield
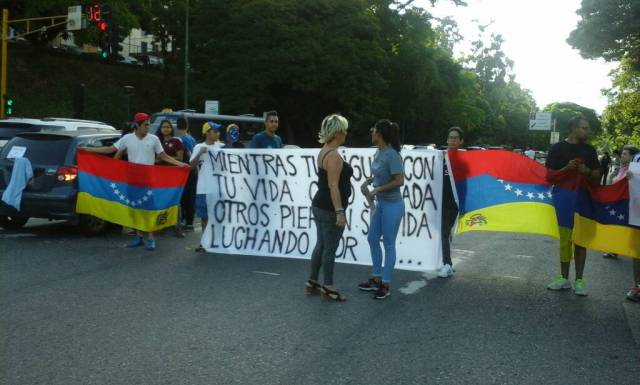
{"x": 41, "y": 149}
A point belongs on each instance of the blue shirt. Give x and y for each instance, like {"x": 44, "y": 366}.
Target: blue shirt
{"x": 386, "y": 164}
{"x": 264, "y": 140}
{"x": 189, "y": 142}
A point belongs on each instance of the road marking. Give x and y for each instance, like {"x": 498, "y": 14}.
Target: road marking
{"x": 18, "y": 235}
{"x": 264, "y": 272}
{"x": 511, "y": 277}
{"x": 413, "y": 287}
{"x": 524, "y": 256}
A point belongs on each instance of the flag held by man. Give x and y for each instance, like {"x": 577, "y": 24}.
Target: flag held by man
{"x": 142, "y": 197}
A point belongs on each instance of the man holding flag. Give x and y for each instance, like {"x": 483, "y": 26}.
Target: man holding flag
{"x": 571, "y": 162}
{"x": 142, "y": 149}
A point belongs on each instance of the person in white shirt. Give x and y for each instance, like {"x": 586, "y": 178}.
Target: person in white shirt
{"x": 211, "y": 133}
{"x": 141, "y": 148}
{"x": 529, "y": 153}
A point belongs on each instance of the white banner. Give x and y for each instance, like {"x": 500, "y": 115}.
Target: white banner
{"x": 634, "y": 194}
{"x": 262, "y": 205}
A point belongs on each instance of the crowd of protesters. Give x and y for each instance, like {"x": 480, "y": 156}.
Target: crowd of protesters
{"x": 381, "y": 191}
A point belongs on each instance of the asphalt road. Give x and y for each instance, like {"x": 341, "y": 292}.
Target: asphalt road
{"x": 78, "y": 310}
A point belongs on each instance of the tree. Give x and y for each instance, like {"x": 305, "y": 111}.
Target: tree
{"x": 564, "y": 111}
{"x": 505, "y": 103}
{"x": 608, "y": 29}
{"x": 622, "y": 115}
{"x": 305, "y": 58}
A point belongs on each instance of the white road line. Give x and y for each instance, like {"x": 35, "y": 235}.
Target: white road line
{"x": 511, "y": 277}
{"x": 524, "y": 256}
{"x": 264, "y": 272}
{"x": 17, "y": 235}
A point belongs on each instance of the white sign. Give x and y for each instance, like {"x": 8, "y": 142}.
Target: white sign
{"x": 262, "y": 206}
{"x": 16, "y": 152}
{"x": 212, "y": 107}
{"x": 540, "y": 121}
{"x": 555, "y": 137}
{"x": 634, "y": 194}
{"x": 74, "y": 18}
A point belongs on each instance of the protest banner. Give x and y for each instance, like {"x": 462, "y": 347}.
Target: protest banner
{"x": 259, "y": 203}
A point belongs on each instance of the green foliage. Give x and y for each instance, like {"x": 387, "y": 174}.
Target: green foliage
{"x": 608, "y": 29}
{"x": 563, "y": 112}
{"x": 622, "y": 115}
{"x": 305, "y": 58}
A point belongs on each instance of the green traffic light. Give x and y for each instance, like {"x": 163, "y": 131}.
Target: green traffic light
{"x": 104, "y": 54}
{"x": 9, "y": 102}
{"x": 9, "y": 111}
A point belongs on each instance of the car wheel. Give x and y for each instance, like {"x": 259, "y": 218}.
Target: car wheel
{"x": 10, "y": 222}
{"x": 91, "y": 225}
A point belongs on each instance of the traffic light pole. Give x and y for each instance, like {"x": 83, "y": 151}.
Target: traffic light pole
{"x": 3, "y": 76}
{"x": 4, "y": 37}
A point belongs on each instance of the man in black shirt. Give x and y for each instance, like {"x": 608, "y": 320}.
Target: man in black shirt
{"x": 573, "y": 155}
{"x": 455, "y": 138}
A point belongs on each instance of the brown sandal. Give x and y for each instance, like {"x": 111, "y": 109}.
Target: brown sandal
{"x": 332, "y": 295}
{"x": 312, "y": 287}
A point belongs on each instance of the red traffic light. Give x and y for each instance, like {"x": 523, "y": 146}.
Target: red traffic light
{"x": 102, "y": 26}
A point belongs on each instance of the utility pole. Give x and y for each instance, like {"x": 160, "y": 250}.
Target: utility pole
{"x": 3, "y": 80}
{"x": 186, "y": 58}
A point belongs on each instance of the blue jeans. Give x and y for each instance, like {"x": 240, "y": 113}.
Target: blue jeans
{"x": 385, "y": 223}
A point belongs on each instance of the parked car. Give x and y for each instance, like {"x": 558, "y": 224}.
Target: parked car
{"x": 10, "y": 127}
{"x": 52, "y": 192}
{"x": 130, "y": 60}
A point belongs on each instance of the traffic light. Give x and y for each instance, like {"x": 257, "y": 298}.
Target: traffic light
{"x": 104, "y": 48}
{"x": 117, "y": 35}
{"x": 8, "y": 105}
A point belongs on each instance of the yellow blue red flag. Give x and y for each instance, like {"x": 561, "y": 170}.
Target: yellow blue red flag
{"x": 145, "y": 198}
{"x": 601, "y": 220}
{"x": 502, "y": 191}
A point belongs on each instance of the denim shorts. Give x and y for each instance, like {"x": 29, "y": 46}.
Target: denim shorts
{"x": 201, "y": 206}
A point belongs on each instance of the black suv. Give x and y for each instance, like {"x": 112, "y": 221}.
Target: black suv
{"x": 53, "y": 190}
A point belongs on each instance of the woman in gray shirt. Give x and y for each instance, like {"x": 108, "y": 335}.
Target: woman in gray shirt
{"x": 388, "y": 177}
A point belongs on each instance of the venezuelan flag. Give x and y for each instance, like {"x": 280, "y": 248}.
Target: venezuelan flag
{"x": 142, "y": 197}
{"x": 601, "y": 221}
{"x": 502, "y": 191}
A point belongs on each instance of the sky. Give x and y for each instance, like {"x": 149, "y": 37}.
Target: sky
{"x": 535, "y": 33}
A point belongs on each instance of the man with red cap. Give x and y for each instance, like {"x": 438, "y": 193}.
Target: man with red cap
{"x": 141, "y": 148}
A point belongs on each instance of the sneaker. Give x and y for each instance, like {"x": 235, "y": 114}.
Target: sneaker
{"x": 579, "y": 288}
{"x": 634, "y": 294}
{"x": 382, "y": 292}
{"x": 150, "y": 244}
{"x": 446, "y": 271}
{"x": 560, "y": 283}
{"x": 135, "y": 241}
{"x": 371, "y": 284}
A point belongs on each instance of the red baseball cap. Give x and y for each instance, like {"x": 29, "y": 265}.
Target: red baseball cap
{"x": 140, "y": 117}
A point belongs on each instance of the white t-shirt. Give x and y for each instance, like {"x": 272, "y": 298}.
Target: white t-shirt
{"x": 530, "y": 154}
{"x": 205, "y": 183}
{"x": 140, "y": 151}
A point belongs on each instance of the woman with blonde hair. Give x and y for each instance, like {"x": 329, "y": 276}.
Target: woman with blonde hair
{"x": 329, "y": 205}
